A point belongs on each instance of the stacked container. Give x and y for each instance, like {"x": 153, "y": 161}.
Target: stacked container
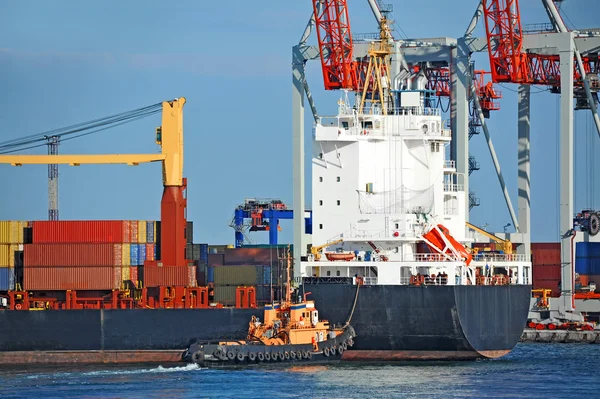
{"x": 587, "y": 262}
{"x": 545, "y": 258}
{"x": 12, "y": 234}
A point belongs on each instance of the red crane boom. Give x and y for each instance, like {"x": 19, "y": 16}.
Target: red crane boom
{"x": 335, "y": 44}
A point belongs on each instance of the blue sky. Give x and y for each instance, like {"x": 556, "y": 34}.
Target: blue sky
{"x": 64, "y": 62}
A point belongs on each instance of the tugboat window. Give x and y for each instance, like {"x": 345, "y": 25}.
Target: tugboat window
{"x": 328, "y": 273}
{"x": 337, "y": 273}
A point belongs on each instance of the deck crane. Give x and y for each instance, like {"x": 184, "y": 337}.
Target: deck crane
{"x": 507, "y": 246}
{"x": 370, "y": 78}
{"x": 173, "y": 204}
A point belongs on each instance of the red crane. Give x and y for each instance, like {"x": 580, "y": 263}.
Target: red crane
{"x": 508, "y": 61}
{"x": 335, "y": 43}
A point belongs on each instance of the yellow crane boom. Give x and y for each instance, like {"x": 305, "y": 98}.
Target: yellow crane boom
{"x": 507, "y": 246}
{"x": 316, "y": 251}
{"x": 169, "y": 136}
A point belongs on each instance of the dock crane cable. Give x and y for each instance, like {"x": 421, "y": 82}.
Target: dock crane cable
{"x": 83, "y": 128}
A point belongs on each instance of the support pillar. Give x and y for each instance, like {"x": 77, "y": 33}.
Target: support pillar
{"x": 173, "y": 224}
{"x": 524, "y": 170}
{"x": 238, "y": 221}
{"x": 566, "y": 173}
{"x": 298, "y": 156}
{"x": 273, "y": 225}
{"x": 460, "y": 82}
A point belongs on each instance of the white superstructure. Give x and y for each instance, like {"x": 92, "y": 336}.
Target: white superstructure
{"x": 379, "y": 182}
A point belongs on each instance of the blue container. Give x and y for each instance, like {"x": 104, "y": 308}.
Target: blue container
{"x": 587, "y": 250}
{"x": 266, "y": 275}
{"x": 7, "y": 278}
{"x": 149, "y": 232}
{"x": 141, "y": 253}
{"x": 582, "y": 265}
{"x": 134, "y": 250}
{"x": 210, "y": 274}
{"x": 204, "y": 253}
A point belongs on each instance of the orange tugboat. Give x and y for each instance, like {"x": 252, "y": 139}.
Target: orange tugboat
{"x": 290, "y": 332}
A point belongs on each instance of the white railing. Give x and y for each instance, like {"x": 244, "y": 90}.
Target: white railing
{"x": 449, "y": 187}
{"x": 483, "y": 257}
{"x": 370, "y": 280}
{"x": 449, "y": 164}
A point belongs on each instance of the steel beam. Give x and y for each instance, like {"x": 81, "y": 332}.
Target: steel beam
{"x": 524, "y": 170}
{"x": 459, "y": 114}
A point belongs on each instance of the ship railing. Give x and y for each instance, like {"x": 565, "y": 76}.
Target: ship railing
{"x": 370, "y": 280}
{"x": 449, "y": 164}
{"x": 451, "y": 188}
{"x": 364, "y": 234}
{"x": 483, "y": 257}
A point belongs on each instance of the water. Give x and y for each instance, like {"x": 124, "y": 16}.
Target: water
{"x": 530, "y": 371}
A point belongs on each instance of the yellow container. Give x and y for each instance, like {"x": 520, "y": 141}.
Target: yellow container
{"x": 5, "y": 232}
{"x": 126, "y": 254}
{"x": 126, "y": 273}
{"x": 12, "y": 248}
{"x": 141, "y": 231}
{"x": 4, "y": 257}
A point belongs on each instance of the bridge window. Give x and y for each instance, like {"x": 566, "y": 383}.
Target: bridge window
{"x": 338, "y": 202}
{"x": 321, "y": 179}
{"x": 320, "y": 155}
{"x": 321, "y": 226}
{"x": 338, "y": 179}
{"x": 321, "y": 202}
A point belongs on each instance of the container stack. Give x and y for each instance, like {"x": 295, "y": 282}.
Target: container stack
{"x": 587, "y": 262}
{"x": 87, "y": 255}
{"x": 12, "y": 237}
{"x": 545, "y": 258}
{"x": 258, "y": 266}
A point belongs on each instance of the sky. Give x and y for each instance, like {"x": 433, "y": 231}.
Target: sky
{"x": 65, "y": 62}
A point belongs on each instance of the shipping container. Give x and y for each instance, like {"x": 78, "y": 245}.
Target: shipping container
{"x": 7, "y": 279}
{"x": 133, "y": 231}
{"x": 71, "y": 278}
{"x": 50, "y": 255}
{"x": 126, "y": 231}
{"x": 118, "y": 255}
{"x": 215, "y": 259}
{"x": 133, "y": 271}
{"x": 236, "y": 275}
{"x": 166, "y": 276}
{"x": 225, "y": 295}
{"x": 126, "y": 273}
{"x": 210, "y": 274}
{"x": 12, "y": 231}
{"x": 150, "y": 236}
{"x": 200, "y": 278}
{"x": 118, "y": 277}
{"x": 587, "y": 265}
{"x": 5, "y": 232}
{"x": 150, "y": 252}
{"x": 192, "y": 251}
{"x": 75, "y": 231}
{"x": 204, "y": 253}
{"x": 189, "y": 232}
{"x": 141, "y": 254}
{"x": 253, "y": 256}
{"x": 134, "y": 254}
{"x": 587, "y": 250}
{"x": 545, "y": 253}
{"x": 192, "y": 276}
{"x": 266, "y": 275}
{"x": 142, "y": 234}
{"x": 126, "y": 254}
{"x": 545, "y": 272}
{"x": 5, "y": 255}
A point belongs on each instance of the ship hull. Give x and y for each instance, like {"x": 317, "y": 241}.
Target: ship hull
{"x": 391, "y": 323}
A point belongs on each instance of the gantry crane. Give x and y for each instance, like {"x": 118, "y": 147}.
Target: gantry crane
{"x": 173, "y": 204}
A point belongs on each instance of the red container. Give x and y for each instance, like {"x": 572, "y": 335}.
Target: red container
{"x": 545, "y": 253}
{"x": 126, "y": 231}
{"x": 118, "y": 276}
{"x": 82, "y": 255}
{"x": 150, "y": 252}
{"x": 552, "y": 284}
{"x": 134, "y": 274}
{"x": 253, "y": 256}
{"x": 70, "y": 278}
{"x": 216, "y": 259}
{"x": 546, "y": 272}
{"x": 78, "y": 231}
{"x": 192, "y": 278}
{"x": 166, "y": 276}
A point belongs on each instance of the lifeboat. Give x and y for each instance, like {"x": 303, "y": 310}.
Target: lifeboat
{"x": 337, "y": 256}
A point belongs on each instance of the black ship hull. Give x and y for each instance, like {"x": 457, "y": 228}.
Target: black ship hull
{"x": 391, "y": 322}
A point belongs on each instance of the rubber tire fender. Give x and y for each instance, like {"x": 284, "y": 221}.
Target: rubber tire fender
{"x": 333, "y": 350}
{"x": 218, "y": 353}
{"x": 350, "y": 342}
{"x": 281, "y": 356}
{"x": 267, "y": 356}
{"x": 299, "y": 355}
{"x": 293, "y": 355}
{"x": 260, "y": 356}
{"x": 252, "y": 356}
{"x": 344, "y": 345}
{"x": 240, "y": 357}
{"x": 197, "y": 356}
{"x": 594, "y": 224}
{"x": 274, "y": 356}
{"x": 304, "y": 354}
{"x": 326, "y": 352}
{"x": 230, "y": 355}
{"x": 341, "y": 350}
{"x": 286, "y": 355}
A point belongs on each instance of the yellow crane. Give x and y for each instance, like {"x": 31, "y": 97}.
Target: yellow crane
{"x": 174, "y": 202}
{"x": 169, "y": 136}
{"x": 507, "y": 246}
{"x": 316, "y": 251}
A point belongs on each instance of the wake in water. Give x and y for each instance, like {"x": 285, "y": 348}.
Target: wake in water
{"x": 159, "y": 369}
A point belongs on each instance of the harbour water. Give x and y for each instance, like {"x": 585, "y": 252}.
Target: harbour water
{"x": 530, "y": 370}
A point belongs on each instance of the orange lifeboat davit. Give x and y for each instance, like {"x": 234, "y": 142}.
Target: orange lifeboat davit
{"x": 443, "y": 241}
{"x": 337, "y": 256}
